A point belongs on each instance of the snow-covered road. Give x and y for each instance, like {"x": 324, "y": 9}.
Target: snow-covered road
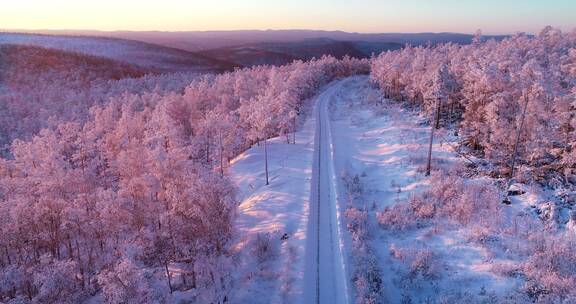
{"x": 325, "y": 279}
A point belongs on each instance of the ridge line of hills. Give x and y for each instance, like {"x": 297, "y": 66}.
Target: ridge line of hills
{"x": 219, "y": 51}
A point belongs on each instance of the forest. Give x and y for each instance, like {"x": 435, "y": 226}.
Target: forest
{"x": 112, "y": 176}
{"x": 491, "y": 92}
{"x": 128, "y": 184}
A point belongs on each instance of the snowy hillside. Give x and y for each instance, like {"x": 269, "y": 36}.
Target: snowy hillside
{"x": 145, "y": 55}
{"x": 278, "y": 53}
{"x": 41, "y": 87}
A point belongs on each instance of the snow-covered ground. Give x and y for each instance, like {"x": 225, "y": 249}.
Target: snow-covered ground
{"x": 386, "y": 145}
{"x": 279, "y": 209}
{"x": 471, "y": 246}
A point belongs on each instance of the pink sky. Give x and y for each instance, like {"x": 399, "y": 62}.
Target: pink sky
{"x": 359, "y": 15}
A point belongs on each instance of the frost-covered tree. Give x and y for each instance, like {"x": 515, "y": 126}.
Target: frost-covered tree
{"x": 121, "y": 186}
{"x": 491, "y": 83}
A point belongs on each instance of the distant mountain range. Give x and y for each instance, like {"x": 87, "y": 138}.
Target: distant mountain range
{"x": 223, "y": 50}
{"x": 203, "y": 40}
{"x": 285, "y": 52}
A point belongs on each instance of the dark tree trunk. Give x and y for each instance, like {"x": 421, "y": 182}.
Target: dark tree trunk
{"x": 29, "y": 290}
{"x": 69, "y": 247}
{"x": 36, "y": 252}
{"x": 7, "y": 254}
{"x": 193, "y": 274}
{"x": 208, "y": 149}
{"x": 168, "y": 276}
{"x": 438, "y": 110}
{"x": 20, "y": 255}
{"x": 429, "y": 161}
{"x": 184, "y": 281}
{"x": 194, "y": 279}
{"x": 221, "y": 157}
{"x": 81, "y": 268}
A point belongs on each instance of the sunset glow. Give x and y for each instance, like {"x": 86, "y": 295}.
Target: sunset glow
{"x": 362, "y": 16}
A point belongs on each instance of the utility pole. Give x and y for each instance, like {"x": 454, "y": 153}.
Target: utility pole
{"x": 512, "y": 170}
{"x": 294, "y": 127}
{"x": 266, "y": 160}
{"x": 435, "y": 125}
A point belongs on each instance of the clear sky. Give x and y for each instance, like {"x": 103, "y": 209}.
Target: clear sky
{"x": 492, "y": 16}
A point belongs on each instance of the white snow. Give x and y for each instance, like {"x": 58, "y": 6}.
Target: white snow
{"x": 387, "y": 146}
{"x": 281, "y": 207}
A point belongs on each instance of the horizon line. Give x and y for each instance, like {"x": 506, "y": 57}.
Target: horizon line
{"x": 20, "y": 30}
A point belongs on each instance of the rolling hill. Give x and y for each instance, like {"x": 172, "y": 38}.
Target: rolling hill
{"x": 278, "y": 53}
{"x": 155, "y": 58}
{"x": 204, "y": 40}
{"x": 216, "y": 51}
{"x": 23, "y": 65}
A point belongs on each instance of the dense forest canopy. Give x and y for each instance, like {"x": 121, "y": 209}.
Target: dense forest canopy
{"x": 97, "y": 203}
{"x": 484, "y": 88}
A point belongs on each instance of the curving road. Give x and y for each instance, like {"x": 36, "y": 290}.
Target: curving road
{"x": 325, "y": 275}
